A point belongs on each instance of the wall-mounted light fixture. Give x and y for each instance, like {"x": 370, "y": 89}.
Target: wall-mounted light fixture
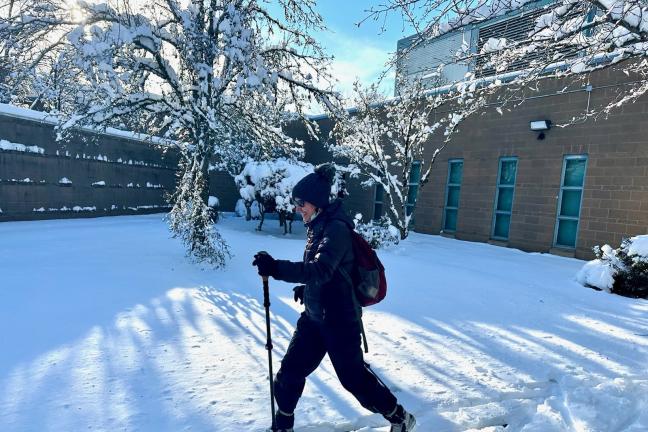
{"x": 540, "y": 126}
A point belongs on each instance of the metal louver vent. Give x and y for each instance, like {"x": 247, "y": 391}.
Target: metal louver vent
{"x": 518, "y": 28}
{"x": 427, "y": 58}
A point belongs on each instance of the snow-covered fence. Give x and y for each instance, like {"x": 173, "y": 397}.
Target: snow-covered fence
{"x": 621, "y": 271}
{"x": 68, "y": 178}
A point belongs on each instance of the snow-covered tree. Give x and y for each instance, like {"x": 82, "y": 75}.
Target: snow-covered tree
{"x": 568, "y": 39}
{"x": 270, "y": 185}
{"x": 383, "y": 139}
{"x": 215, "y": 78}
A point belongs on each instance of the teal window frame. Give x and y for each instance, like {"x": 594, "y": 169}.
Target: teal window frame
{"x": 563, "y": 218}
{"x": 378, "y": 203}
{"x": 413, "y": 184}
{"x": 449, "y": 185}
{"x": 500, "y": 187}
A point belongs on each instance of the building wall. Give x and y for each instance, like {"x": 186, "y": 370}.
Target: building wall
{"x": 614, "y": 204}
{"x": 427, "y": 57}
{"x": 136, "y": 174}
{"x": 222, "y": 185}
{"x": 615, "y": 195}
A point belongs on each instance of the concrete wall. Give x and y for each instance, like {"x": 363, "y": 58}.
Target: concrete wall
{"x": 222, "y": 185}
{"x": 136, "y": 174}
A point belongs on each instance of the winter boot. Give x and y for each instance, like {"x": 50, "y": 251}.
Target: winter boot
{"x": 401, "y": 420}
{"x": 284, "y": 421}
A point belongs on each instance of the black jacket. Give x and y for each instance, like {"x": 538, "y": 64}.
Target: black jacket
{"x": 327, "y": 297}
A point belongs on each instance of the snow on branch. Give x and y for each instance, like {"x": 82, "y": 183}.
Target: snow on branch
{"x": 385, "y": 140}
{"x": 562, "y": 38}
{"x": 215, "y": 78}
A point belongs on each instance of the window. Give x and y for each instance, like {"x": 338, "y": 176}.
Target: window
{"x": 378, "y": 202}
{"x": 413, "y": 187}
{"x": 455, "y": 173}
{"x": 569, "y": 202}
{"x": 504, "y": 198}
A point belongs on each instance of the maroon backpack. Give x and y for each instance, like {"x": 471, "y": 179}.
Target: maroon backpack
{"x": 368, "y": 280}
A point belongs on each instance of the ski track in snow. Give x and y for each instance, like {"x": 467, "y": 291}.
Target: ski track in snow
{"x": 110, "y": 328}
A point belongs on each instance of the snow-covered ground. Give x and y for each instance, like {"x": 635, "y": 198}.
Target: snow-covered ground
{"x": 104, "y": 325}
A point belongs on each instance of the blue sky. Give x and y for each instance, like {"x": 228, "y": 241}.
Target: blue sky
{"x": 360, "y": 52}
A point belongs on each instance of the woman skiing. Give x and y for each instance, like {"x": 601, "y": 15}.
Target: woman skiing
{"x": 331, "y": 321}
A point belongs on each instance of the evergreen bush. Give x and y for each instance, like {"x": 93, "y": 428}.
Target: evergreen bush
{"x": 622, "y": 271}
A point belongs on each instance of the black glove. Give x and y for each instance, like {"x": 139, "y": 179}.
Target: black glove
{"x": 299, "y": 293}
{"x": 266, "y": 265}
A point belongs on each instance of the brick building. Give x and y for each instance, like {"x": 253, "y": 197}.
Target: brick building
{"x": 580, "y": 186}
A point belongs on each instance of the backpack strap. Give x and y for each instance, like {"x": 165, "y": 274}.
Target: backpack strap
{"x": 349, "y": 280}
{"x": 358, "y": 307}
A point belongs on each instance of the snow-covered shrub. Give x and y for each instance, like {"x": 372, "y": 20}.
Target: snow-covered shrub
{"x": 379, "y": 233}
{"x": 270, "y": 184}
{"x": 240, "y": 209}
{"x": 600, "y": 272}
{"x": 213, "y": 203}
{"x": 247, "y": 210}
{"x": 621, "y": 271}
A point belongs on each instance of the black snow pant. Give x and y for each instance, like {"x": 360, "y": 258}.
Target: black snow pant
{"x": 310, "y": 342}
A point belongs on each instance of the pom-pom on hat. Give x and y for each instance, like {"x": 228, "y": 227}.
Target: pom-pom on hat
{"x": 316, "y": 186}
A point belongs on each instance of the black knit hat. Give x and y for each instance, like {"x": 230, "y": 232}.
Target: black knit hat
{"x": 316, "y": 187}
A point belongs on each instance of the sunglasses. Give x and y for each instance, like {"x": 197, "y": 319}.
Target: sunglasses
{"x": 298, "y": 202}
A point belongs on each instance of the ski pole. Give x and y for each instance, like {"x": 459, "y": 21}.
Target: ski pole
{"x": 266, "y": 304}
